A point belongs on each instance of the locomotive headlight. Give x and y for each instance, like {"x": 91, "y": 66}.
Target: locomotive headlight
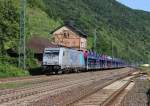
{"x": 45, "y": 63}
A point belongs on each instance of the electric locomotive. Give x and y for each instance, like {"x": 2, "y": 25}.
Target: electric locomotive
{"x": 63, "y": 59}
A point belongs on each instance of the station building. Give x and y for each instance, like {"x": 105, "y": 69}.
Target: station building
{"x": 69, "y": 36}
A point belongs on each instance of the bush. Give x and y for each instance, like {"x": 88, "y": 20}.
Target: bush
{"x": 32, "y": 63}
{"x": 7, "y": 70}
{"x": 8, "y": 60}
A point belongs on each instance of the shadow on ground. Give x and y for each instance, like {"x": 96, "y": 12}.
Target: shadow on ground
{"x": 36, "y": 71}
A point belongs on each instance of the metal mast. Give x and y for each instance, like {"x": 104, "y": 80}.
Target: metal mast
{"x": 22, "y": 48}
{"x": 144, "y": 51}
{"x": 112, "y": 52}
{"x": 95, "y": 39}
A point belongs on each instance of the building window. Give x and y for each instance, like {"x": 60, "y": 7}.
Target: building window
{"x": 82, "y": 44}
{"x": 66, "y": 34}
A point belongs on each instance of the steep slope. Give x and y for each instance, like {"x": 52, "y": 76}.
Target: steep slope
{"x": 128, "y": 30}
{"x": 39, "y": 23}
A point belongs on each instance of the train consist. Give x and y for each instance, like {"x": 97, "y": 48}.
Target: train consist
{"x": 65, "y": 59}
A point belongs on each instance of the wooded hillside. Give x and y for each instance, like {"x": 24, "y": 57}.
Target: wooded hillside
{"x": 128, "y": 30}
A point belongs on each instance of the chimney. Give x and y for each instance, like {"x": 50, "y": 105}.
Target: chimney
{"x": 69, "y": 22}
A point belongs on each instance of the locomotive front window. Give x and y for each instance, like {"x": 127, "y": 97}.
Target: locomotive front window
{"x": 51, "y": 54}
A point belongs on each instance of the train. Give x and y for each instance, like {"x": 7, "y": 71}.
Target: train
{"x": 61, "y": 59}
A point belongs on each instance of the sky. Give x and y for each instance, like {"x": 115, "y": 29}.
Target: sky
{"x": 137, "y": 4}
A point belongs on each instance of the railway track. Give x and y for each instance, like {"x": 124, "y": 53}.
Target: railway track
{"x": 110, "y": 95}
{"x": 47, "y": 81}
{"x": 52, "y": 92}
{"x": 35, "y": 78}
{"x": 120, "y": 97}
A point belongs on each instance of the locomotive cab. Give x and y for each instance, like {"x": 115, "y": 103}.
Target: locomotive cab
{"x": 51, "y": 59}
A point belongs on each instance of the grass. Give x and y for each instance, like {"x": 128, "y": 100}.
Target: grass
{"x": 7, "y": 70}
{"x": 145, "y": 69}
{"x": 15, "y": 85}
{"x": 10, "y": 85}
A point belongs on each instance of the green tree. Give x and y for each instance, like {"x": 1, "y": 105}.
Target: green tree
{"x": 8, "y": 23}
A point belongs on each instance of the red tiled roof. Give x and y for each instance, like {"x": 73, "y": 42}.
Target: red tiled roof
{"x": 37, "y": 44}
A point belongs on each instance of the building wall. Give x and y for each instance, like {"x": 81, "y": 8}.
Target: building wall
{"x": 66, "y": 37}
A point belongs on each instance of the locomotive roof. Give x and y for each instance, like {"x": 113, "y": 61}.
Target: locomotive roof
{"x": 58, "y": 48}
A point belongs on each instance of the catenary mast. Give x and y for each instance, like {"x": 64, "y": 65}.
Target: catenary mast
{"x": 22, "y": 47}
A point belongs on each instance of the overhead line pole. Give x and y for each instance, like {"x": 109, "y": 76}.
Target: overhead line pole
{"x": 112, "y": 52}
{"x": 111, "y": 44}
{"x": 95, "y": 39}
{"x": 22, "y": 47}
